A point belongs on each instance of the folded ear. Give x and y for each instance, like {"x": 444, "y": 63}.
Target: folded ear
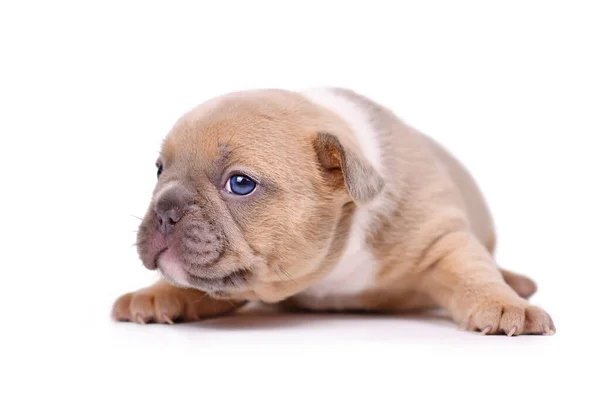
{"x": 344, "y": 166}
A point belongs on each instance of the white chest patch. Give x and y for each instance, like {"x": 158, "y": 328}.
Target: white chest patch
{"x": 355, "y": 271}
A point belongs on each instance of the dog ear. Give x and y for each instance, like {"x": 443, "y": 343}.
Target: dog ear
{"x": 345, "y": 167}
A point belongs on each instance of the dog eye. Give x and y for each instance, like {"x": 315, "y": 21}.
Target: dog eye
{"x": 240, "y": 185}
{"x": 159, "y": 169}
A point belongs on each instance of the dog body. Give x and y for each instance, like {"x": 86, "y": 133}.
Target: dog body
{"x": 351, "y": 209}
{"x": 379, "y": 264}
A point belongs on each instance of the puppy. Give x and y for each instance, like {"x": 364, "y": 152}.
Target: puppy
{"x": 320, "y": 200}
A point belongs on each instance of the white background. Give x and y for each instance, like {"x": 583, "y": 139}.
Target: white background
{"x": 89, "y": 89}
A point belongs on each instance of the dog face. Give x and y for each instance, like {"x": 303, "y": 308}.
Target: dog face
{"x": 252, "y": 190}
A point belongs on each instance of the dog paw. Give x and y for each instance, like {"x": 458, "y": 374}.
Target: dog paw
{"x": 511, "y": 318}
{"x": 166, "y": 304}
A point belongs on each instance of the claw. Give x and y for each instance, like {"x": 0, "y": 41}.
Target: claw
{"x": 139, "y": 319}
{"x": 486, "y": 330}
{"x": 512, "y": 331}
{"x": 169, "y": 321}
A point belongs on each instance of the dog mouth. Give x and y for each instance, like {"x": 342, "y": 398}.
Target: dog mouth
{"x": 207, "y": 279}
{"x": 192, "y": 257}
{"x": 234, "y": 280}
{"x": 157, "y": 257}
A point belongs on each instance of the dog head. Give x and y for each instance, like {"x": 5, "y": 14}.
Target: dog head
{"x": 254, "y": 193}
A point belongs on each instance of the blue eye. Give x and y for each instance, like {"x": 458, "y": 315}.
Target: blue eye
{"x": 240, "y": 185}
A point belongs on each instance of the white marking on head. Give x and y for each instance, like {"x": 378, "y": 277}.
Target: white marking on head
{"x": 356, "y": 118}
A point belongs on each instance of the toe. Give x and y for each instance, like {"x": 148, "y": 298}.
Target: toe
{"x": 142, "y": 308}
{"x": 537, "y": 322}
{"x": 513, "y": 320}
{"x": 120, "y": 310}
{"x": 167, "y": 309}
{"x": 487, "y": 320}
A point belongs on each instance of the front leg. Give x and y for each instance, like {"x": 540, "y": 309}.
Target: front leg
{"x": 163, "y": 302}
{"x": 461, "y": 275}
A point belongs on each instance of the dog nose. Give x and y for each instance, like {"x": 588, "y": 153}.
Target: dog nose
{"x": 170, "y": 206}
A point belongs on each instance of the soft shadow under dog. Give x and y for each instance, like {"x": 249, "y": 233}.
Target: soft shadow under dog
{"x": 265, "y": 317}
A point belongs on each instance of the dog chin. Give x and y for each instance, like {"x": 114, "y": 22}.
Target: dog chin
{"x": 171, "y": 269}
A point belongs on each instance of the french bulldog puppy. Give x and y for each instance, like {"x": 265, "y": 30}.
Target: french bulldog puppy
{"x": 321, "y": 200}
